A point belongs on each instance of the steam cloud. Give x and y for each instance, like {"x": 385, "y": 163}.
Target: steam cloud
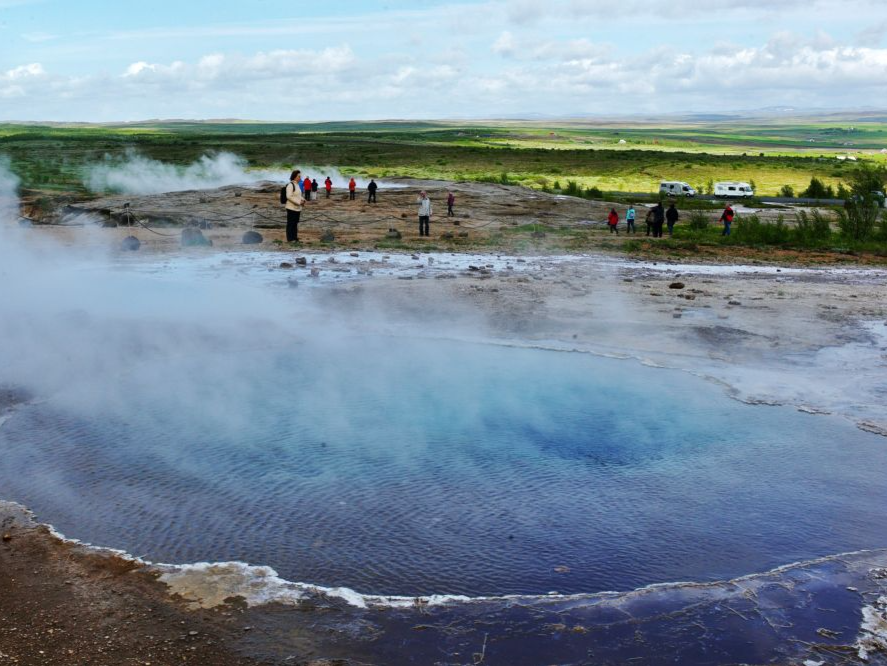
{"x": 134, "y": 173}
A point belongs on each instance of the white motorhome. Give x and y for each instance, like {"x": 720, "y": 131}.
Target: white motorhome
{"x": 733, "y": 190}
{"x": 676, "y": 188}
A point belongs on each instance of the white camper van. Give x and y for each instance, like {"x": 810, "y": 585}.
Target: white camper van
{"x": 733, "y": 190}
{"x": 676, "y": 188}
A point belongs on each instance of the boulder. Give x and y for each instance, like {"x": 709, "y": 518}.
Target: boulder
{"x": 328, "y": 237}
{"x": 676, "y": 285}
{"x": 130, "y": 244}
{"x": 192, "y": 237}
{"x": 301, "y": 261}
{"x": 252, "y": 238}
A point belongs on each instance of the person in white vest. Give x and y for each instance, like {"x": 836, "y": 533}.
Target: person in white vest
{"x": 424, "y": 213}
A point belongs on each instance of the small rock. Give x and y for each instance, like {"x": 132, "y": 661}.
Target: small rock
{"x": 130, "y": 244}
{"x": 394, "y": 233}
{"x": 462, "y": 234}
{"x": 285, "y": 264}
{"x": 238, "y": 194}
{"x": 192, "y": 237}
{"x": 733, "y": 303}
{"x": 676, "y": 285}
{"x": 414, "y": 257}
{"x": 677, "y": 315}
{"x": 627, "y": 280}
{"x": 301, "y": 261}
{"x": 315, "y": 272}
{"x": 562, "y": 569}
{"x": 7, "y": 536}
{"x": 328, "y": 237}
{"x": 354, "y": 254}
{"x": 252, "y": 238}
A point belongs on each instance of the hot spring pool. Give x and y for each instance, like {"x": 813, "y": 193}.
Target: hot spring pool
{"x": 417, "y": 467}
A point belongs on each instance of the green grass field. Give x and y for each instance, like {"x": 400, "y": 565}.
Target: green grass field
{"x": 53, "y": 158}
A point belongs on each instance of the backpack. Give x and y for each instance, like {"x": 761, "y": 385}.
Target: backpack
{"x": 283, "y": 193}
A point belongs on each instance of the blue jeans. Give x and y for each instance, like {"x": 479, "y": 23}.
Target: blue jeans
{"x": 726, "y": 229}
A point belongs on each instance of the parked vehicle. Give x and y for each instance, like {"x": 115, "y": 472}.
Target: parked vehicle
{"x": 676, "y": 188}
{"x": 733, "y": 190}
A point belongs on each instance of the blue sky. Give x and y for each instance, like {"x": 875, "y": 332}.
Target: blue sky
{"x": 257, "y": 59}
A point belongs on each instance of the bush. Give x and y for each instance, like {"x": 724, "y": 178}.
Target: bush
{"x": 594, "y": 193}
{"x": 812, "y": 228}
{"x": 698, "y": 221}
{"x": 858, "y": 218}
{"x": 709, "y": 187}
{"x": 573, "y": 189}
{"x": 752, "y": 230}
{"x": 787, "y": 191}
{"x": 818, "y": 190}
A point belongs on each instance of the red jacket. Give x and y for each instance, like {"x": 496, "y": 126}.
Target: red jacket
{"x": 329, "y": 184}
{"x": 352, "y": 185}
{"x": 612, "y": 219}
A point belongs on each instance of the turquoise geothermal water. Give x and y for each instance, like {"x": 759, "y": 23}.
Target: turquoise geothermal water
{"x": 416, "y": 467}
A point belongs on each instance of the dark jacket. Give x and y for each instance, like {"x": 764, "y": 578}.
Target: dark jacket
{"x": 658, "y": 214}
{"x": 372, "y": 187}
{"x": 672, "y": 215}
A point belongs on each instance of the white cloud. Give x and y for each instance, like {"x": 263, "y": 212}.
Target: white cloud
{"x": 39, "y": 37}
{"x": 505, "y": 45}
{"x": 873, "y": 35}
{"x": 539, "y": 76}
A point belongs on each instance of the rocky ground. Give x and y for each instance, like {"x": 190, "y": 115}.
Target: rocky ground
{"x": 483, "y": 211}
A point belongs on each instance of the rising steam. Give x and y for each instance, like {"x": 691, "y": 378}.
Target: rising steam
{"x": 134, "y": 173}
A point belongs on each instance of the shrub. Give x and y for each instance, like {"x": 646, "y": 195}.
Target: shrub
{"x": 752, "y": 230}
{"x": 594, "y": 192}
{"x": 818, "y": 190}
{"x": 812, "y": 228}
{"x": 709, "y": 187}
{"x": 573, "y": 189}
{"x": 787, "y": 191}
{"x": 698, "y": 221}
{"x": 858, "y": 218}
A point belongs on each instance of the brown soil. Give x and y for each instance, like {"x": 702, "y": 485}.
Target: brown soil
{"x": 63, "y": 605}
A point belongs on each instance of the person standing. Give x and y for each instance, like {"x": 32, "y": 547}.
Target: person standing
{"x": 613, "y": 221}
{"x": 328, "y": 184}
{"x": 671, "y": 216}
{"x": 649, "y": 220}
{"x": 629, "y": 219}
{"x": 658, "y": 220}
{"x": 314, "y": 188}
{"x": 294, "y": 201}
{"x": 424, "y": 213}
{"x": 371, "y": 191}
{"x": 727, "y": 219}
{"x": 451, "y": 201}
{"x": 352, "y": 189}
{"x": 305, "y": 186}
